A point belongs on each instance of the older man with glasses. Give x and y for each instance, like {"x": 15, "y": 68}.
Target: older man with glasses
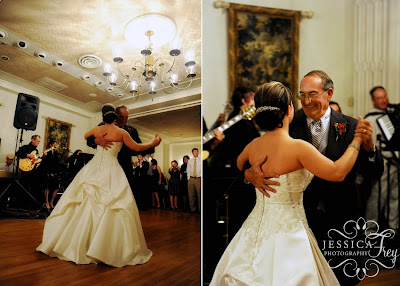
{"x": 328, "y": 205}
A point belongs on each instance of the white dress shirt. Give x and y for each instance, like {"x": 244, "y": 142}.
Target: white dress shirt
{"x": 190, "y": 168}
{"x": 5, "y": 167}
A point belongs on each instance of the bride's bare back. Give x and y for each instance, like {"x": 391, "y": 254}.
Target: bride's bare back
{"x": 280, "y": 150}
{"x": 113, "y": 133}
{"x": 286, "y": 154}
{"x": 109, "y": 131}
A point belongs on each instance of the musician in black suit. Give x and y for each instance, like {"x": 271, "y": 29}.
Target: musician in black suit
{"x": 33, "y": 178}
{"x": 328, "y": 205}
{"x": 125, "y": 154}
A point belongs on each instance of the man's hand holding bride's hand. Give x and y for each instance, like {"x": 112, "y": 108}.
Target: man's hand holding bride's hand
{"x": 364, "y": 131}
{"x": 259, "y": 179}
{"x": 105, "y": 143}
{"x": 156, "y": 141}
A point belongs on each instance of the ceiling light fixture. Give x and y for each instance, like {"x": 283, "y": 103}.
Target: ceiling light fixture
{"x": 150, "y": 31}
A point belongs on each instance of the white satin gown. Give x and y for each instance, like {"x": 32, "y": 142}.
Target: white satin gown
{"x": 96, "y": 219}
{"x": 275, "y": 245}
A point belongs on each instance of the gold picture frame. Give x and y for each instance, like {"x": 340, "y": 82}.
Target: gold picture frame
{"x": 59, "y": 131}
{"x": 263, "y": 46}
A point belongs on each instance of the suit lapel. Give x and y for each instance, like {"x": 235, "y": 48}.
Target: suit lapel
{"x": 300, "y": 128}
{"x": 333, "y": 144}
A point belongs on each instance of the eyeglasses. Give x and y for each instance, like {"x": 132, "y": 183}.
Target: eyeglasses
{"x": 312, "y": 95}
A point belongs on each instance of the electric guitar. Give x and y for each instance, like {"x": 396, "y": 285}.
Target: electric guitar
{"x": 247, "y": 113}
{"x": 27, "y": 164}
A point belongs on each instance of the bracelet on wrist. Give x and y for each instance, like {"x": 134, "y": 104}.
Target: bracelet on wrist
{"x": 355, "y": 147}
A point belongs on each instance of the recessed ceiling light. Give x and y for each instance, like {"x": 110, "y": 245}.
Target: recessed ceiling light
{"x": 92, "y": 94}
{"x": 58, "y": 63}
{"x": 41, "y": 55}
{"x": 5, "y": 58}
{"x": 22, "y": 44}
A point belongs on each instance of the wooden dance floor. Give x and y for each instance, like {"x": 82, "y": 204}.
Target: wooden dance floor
{"x": 174, "y": 238}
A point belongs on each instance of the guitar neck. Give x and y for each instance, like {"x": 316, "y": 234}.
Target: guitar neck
{"x": 210, "y": 135}
{"x": 41, "y": 154}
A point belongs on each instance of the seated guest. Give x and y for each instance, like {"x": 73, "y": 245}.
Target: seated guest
{"x": 8, "y": 165}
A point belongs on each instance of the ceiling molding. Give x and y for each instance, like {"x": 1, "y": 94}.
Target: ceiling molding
{"x": 166, "y": 109}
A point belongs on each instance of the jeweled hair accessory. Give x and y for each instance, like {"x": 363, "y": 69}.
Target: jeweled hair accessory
{"x": 265, "y": 108}
{"x": 109, "y": 112}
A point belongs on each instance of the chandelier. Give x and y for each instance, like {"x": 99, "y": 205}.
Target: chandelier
{"x": 151, "y": 31}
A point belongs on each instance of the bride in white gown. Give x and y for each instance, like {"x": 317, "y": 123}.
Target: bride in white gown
{"x": 96, "y": 219}
{"x": 275, "y": 245}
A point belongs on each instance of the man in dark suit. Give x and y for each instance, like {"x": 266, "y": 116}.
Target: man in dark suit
{"x": 125, "y": 154}
{"x": 142, "y": 188}
{"x": 328, "y": 205}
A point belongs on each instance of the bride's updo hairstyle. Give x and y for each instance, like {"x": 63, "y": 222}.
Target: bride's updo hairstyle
{"x": 272, "y": 101}
{"x": 109, "y": 114}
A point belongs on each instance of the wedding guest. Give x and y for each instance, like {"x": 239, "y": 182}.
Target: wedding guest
{"x": 184, "y": 182}
{"x": 50, "y": 168}
{"x": 194, "y": 181}
{"x": 155, "y": 182}
{"x": 335, "y": 106}
{"x": 140, "y": 168}
{"x": 173, "y": 184}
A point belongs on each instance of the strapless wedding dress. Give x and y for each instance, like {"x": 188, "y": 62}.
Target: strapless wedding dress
{"x": 275, "y": 245}
{"x": 96, "y": 219}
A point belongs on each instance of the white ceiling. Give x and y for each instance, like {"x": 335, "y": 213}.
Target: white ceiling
{"x": 67, "y": 30}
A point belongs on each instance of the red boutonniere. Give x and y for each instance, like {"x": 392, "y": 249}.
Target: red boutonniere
{"x": 340, "y": 129}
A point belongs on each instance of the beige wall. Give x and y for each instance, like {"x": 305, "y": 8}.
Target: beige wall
{"x": 325, "y": 43}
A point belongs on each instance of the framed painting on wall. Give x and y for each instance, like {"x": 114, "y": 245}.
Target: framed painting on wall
{"x": 59, "y": 131}
{"x": 263, "y": 46}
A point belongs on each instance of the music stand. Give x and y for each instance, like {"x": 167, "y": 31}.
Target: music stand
{"x": 15, "y": 181}
{"x": 392, "y": 144}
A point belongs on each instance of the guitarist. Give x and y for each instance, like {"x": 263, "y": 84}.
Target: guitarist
{"x": 242, "y": 133}
{"x": 33, "y": 178}
{"x": 222, "y": 172}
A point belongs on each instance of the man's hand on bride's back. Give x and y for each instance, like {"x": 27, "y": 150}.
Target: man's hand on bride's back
{"x": 105, "y": 143}
{"x": 259, "y": 179}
